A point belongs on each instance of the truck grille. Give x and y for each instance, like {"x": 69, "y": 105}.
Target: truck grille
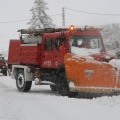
{"x": 1, "y": 67}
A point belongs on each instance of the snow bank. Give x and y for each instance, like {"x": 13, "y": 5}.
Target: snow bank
{"x": 43, "y": 104}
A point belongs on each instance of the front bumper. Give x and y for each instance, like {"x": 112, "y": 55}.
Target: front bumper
{"x": 3, "y": 70}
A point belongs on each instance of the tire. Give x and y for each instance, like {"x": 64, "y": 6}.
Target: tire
{"x": 22, "y": 85}
{"x": 73, "y": 94}
{"x": 63, "y": 85}
{"x": 54, "y": 87}
{"x": 5, "y": 73}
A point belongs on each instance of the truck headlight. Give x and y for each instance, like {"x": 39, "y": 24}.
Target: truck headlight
{"x": 3, "y": 66}
{"x": 107, "y": 57}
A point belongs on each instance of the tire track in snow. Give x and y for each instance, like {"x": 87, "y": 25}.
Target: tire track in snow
{"x": 8, "y": 108}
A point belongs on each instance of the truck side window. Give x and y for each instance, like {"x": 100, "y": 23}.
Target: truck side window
{"x": 49, "y": 44}
{"x": 59, "y": 42}
{"x": 1, "y": 59}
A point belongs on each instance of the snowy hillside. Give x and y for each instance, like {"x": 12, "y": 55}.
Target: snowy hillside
{"x": 43, "y": 104}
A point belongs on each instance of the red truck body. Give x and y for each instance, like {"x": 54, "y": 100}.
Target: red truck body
{"x": 43, "y": 59}
{"x": 23, "y": 54}
{"x": 34, "y": 54}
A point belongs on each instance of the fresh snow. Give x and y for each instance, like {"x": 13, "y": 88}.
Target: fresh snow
{"x": 115, "y": 63}
{"x": 85, "y": 52}
{"x": 43, "y": 104}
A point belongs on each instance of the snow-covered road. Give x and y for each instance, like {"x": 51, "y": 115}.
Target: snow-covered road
{"x": 43, "y": 104}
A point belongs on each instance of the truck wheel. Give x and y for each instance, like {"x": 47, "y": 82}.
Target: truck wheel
{"x": 5, "y": 73}
{"x": 22, "y": 85}
{"x": 63, "y": 85}
{"x": 54, "y": 87}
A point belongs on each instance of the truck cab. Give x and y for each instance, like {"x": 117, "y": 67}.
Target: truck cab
{"x": 86, "y": 42}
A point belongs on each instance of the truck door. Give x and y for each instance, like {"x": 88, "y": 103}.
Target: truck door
{"x": 47, "y": 53}
{"x": 60, "y": 51}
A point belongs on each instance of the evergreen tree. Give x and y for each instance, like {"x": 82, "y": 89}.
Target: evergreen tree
{"x": 40, "y": 19}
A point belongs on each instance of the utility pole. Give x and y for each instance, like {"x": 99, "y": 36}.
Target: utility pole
{"x": 63, "y": 16}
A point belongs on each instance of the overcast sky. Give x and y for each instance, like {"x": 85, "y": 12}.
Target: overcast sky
{"x": 17, "y": 10}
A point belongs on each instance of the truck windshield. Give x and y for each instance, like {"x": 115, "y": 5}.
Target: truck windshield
{"x": 90, "y": 42}
{"x": 2, "y": 59}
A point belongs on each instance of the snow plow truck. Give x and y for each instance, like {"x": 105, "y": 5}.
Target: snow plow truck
{"x": 70, "y": 60}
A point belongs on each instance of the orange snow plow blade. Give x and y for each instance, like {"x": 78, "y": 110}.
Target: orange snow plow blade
{"x": 87, "y": 75}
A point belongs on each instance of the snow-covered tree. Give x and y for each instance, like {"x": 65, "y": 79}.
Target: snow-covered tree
{"x": 40, "y": 19}
{"x": 4, "y": 54}
{"x": 111, "y": 35}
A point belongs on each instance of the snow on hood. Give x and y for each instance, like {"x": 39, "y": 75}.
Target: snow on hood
{"x": 84, "y": 52}
{"x": 115, "y": 63}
